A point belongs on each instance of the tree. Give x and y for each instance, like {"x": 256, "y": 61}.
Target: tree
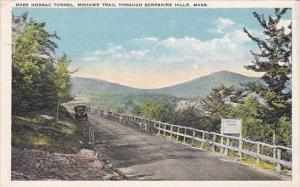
{"x": 191, "y": 117}
{"x": 62, "y": 80}
{"x": 135, "y": 109}
{"x": 32, "y": 64}
{"x": 39, "y": 81}
{"x": 159, "y": 111}
{"x": 274, "y": 60}
{"x": 217, "y": 105}
{"x": 251, "y": 111}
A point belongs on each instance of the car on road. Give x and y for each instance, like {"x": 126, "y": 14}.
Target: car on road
{"x": 81, "y": 112}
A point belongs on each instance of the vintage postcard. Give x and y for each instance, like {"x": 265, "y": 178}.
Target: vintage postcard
{"x": 167, "y": 92}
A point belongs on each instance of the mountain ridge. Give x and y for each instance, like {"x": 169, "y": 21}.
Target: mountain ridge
{"x": 197, "y": 87}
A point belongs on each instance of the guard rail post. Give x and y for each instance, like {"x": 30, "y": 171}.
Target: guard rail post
{"x": 278, "y": 166}
{"x": 258, "y": 147}
{"x": 213, "y": 143}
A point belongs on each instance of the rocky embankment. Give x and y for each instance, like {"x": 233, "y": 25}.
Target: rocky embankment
{"x": 31, "y": 164}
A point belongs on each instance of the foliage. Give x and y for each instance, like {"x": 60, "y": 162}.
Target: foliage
{"x": 216, "y": 105}
{"x": 61, "y": 78}
{"x": 251, "y": 113}
{"x": 274, "y": 60}
{"x": 284, "y": 136}
{"x": 129, "y": 103}
{"x": 159, "y": 111}
{"x": 191, "y": 117}
{"x": 38, "y": 82}
{"x": 187, "y": 117}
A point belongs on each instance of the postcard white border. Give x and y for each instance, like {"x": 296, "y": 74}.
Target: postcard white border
{"x": 5, "y": 96}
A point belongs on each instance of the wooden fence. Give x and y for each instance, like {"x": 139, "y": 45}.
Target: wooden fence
{"x": 278, "y": 155}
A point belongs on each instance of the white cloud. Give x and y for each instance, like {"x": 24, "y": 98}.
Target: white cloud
{"x": 239, "y": 36}
{"x": 285, "y": 24}
{"x": 146, "y": 39}
{"x": 183, "y": 43}
{"x": 228, "y": 28}
{"x": 172, "y": 59}
{"x": 138, "y": 53}
{"x": 222, "y": 25}
{"x": 111, "y": 50}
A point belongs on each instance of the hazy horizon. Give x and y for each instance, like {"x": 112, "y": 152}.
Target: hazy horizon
{"x": 78, "y": 76}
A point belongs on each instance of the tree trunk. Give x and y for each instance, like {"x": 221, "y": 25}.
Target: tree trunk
{"x": 274, "y": 136}
{"x": 57, "y": 109}
{"x": 274, "y": 143}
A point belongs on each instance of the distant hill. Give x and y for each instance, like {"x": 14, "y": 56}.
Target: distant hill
{"x": 88, "y": 86}
{"x": 202, "y": 86}
{"x": 198, "y": 87}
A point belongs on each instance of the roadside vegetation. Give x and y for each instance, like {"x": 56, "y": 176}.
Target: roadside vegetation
{"x": 40, "y": 79}
{"x": 40, "y": 84}
{"x": 46, "y": 141}
{"x": 40, "y": 131}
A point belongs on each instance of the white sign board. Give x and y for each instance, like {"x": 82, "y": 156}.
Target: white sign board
{"x": 231, "y": 126}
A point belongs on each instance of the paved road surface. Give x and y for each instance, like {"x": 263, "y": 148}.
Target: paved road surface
{"x": 149, "y": 157}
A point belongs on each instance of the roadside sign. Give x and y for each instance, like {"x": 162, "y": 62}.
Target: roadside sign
{"x": 231, "y": 126}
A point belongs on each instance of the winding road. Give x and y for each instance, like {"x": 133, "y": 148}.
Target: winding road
{"x": 149, "y": 157}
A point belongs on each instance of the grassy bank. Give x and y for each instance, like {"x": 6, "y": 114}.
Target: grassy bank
{"x": 44, "y": 132}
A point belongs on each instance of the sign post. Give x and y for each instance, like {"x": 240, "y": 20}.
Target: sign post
{"x": 232, "y": 127}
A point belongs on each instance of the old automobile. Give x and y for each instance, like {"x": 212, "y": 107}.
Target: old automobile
{"x": 81, "y": 112}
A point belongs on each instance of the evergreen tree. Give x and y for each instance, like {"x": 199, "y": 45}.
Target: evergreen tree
{"x": 274, "y": 60}
{"x": 217, "y": 105}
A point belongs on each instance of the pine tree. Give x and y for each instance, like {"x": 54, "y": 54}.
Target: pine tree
{"x": 215, "y": 105}
{"x": 274, "y": 60}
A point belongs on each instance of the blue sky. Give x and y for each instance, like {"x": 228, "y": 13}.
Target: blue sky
{"x": 152, "y": 48}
